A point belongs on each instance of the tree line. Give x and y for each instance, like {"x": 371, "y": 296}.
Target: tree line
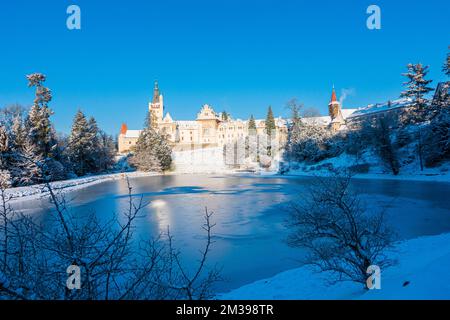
{"x": 28, "y": 138}
{"x": 420, "y": 131}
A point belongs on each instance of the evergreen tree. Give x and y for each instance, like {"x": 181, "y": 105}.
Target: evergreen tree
{"x": 446, "y": 67}
{"x": 417, "y": 88}
{"x": 18, "y": 135}
{"x": 270, "y": 130}
{"x": 28, "y": 165}
{"x": 225, "y": 116}
{"x": 93, "y": 161}
{"x": 80, "y": 145}
{"x": 39, "y": 128}
{"x": 294, "y": 133}
{"x": 152, "y": 152}
{"x": 270, "y": 121}
{"x": 251, "y": 123}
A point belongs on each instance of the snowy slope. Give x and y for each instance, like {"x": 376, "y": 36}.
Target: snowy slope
{"x": 376, "y": 171}
{"x": 421, "y": 273}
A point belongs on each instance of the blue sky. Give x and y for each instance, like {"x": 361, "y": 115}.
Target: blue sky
{"x": 240, "y": 56}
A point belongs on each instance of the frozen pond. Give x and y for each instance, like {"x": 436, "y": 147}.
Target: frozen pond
{"x": 250, "y": 213}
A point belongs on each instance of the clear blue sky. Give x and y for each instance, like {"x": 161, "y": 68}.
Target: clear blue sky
{"x": 236, "y": 55}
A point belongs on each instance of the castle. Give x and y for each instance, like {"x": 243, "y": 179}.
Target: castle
{"x": 211, "y": 129}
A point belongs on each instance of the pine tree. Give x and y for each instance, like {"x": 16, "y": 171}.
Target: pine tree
{"x": 152, "y": 151}
{"x": 417, "y": 88}
{"x": 446, "y": 67}
{"x": 39, "y": 128}
{"x": 80, "y": 145}
{"x": 93, "y": 161}
{"x": 270, "y": 130}
{"x": 18, "y": 134}
{"x": 28, "y": 164}
{"x": 270, "y": 122}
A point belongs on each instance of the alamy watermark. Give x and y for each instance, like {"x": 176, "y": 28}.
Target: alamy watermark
{"x": 374, "y": 20}
{"x": 74, "y": 279}
{"x": 73, "y": 21}
{"x": 374, "y": 280}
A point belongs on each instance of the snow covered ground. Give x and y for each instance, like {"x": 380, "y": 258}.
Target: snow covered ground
{"x": 37, "y": 191}
{"x": 376, "y": 171}
{"x": 421, "y": 273}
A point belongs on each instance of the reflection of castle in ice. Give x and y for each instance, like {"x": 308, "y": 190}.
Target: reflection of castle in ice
{"x": 210, "y": 129}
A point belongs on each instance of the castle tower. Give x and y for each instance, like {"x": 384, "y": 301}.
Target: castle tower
{"x": 156, "y": 106}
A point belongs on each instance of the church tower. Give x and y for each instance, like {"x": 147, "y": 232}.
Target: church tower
{"x": 156, "y": 106}
{"x": 335, "y": 112}
{"x": 333, "y": 106}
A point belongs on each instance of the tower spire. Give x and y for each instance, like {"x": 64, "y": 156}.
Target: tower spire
{"x": 156, "y": 93}
{"x": 333, "y": 95}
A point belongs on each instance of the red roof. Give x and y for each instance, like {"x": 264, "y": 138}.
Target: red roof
{"x": 333, "y": 96}
{"x": 123, "y": 129}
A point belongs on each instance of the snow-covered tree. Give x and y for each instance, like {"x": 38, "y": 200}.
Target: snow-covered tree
{"x": 9, "y": 113}
{"x": 270, "y": 121}
{"x": 152, "y": 151}
{"x": 89, "y": 150}
{"x": 446, "y": 67}
{"x": 39, "y": 128}
{"x": 437, "y": 139}
{"x": 378, "y": 133}
{"x": 294, "y": 131}
{"x": 80, "y": 145}
{"x": 18, "y": 134}
{"x": 105, "y": 152}
{"x": 27, "y": 164}
{"x": 416, "y": 89}
{"x": 4, "y": 140}
{"x": 310, "y": 143}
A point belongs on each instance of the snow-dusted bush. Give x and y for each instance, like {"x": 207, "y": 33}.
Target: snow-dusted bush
{"x": 341, "y": 235}
{"x": 310, "y": 143}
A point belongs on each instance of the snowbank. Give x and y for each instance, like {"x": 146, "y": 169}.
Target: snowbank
{"x": 37, "y": 191}
{"x": 421, "y": 273}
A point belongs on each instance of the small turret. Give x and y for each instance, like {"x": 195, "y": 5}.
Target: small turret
{"x": 123, "y": 128}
